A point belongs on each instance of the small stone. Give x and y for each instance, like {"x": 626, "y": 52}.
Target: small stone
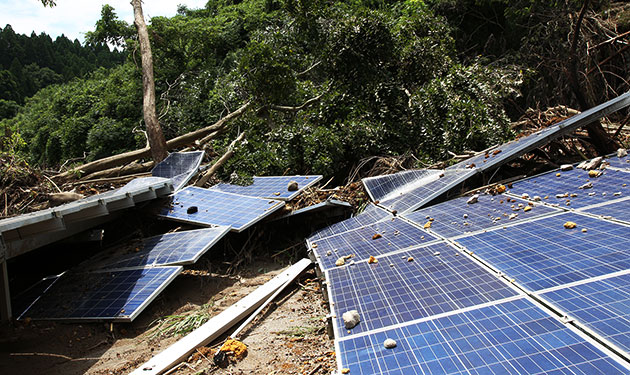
{"x": 345, "y": 371}
{"x": 351, "y": 319}
{"x": 473, "y": 199}
{"x": 573, "y": 195}
{"x": 584, "y": 230}
{"x": 501, "y": 189}
{"x": 617, "y": 194}
{"x": 537, "y": 198}
{"x": 191, "y": 210}
{"x": 513, "y": 216}
{"x": 591, "y": 194}
{"x": 570, "y": 225}
{"x": 437, "y": 253}
{"x": 525, "y": 196}
{"x": 410, "y": 259}
{"x": 594, "y": 163}
{"x": 376, "y": 236}
{"x": 328, "y": 253}
{"x": 340, "y": 262}
{"x": 372, "y": 260}
{"x": 593, "y": 173}
{"x": 528, "y": 208}
{"x": 292, "y": 186}
{"x": 389, "y": 344}
{"x": 566, "y": 167}
{"x": 427, "y": 225}
{"x": 465, "y": 216}
{"x": 622, "y": 152}
{"x": 558, "y": 174}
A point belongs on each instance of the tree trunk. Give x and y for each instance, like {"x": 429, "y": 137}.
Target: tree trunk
{"x": 157, "y": 142}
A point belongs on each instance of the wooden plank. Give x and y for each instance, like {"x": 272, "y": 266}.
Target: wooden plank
{"x": 219, "y": 324}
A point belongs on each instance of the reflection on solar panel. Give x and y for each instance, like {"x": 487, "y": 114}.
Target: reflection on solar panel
{"x": 619, "y": 210}
{"x": 561, "y": 187}
{"x": 113, "y": 295}
{"x": 143, "y": 182}
{"x": 602, "y": 305}
{"x": 212, "y": 207}
{"x": 372, "y": 240}
{"x": 620, "y": 163}
{"x": 380, "y": 187}
{"x": 179, "y": 166}
{"x": 178, "y": 248}
{"x": 271, "y": 187}
{"x": 456, "y": 217}
{"x": 371, "y": 214}
{"x": 25, "y": 299}
{"x": 514, "y": 337}
{"x": 421, "y": 195}
{"x": 542, "y": 253}
{"x": 395, "y": 290}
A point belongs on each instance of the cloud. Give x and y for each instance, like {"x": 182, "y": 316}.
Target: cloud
{"x": 75, "y": 17}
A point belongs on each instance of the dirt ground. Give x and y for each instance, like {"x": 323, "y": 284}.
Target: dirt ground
{"x": 288, "y": 338}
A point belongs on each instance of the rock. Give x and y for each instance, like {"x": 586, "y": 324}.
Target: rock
{"x": 340, "y": 262}
{"x": 191, "y": 210}
{"x": 473, "y": 199}
{"x": 427, "y": 225}
{"x": 501, "y": 189}
{"x": 566, "y": 167}
{"x": 528, "y": 208}
{"x": 587, "y": 185}
{"x": 570, "y": 225}
{"x": 537, "y": 198}
{"x": 593, "y": 163}
{"x": 622, "y": 152}
{"x": 582, "y": 164}
{"x": 376, "y": 236}
{"x": 593, "y": 174}
{"x": 513, "y": 216}
{"x": 371, "y": 260}
{"x": 292, "y": 186}
{"x": 351, "y": 319}
{"x": 389, "y": 344}
{"x": 525, "y": 196}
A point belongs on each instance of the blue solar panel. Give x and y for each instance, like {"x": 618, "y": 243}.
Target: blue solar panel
{"x": 371, "y": 214}
{"x": 619, "y": 210}
{"x": 542, "y": 253}
{"x": 419, "y": 196}
{"x": 114, "y": 295}
{"x": 514, "y": 337}
{"x": 212, "y": 207}
{"x": 271, "y": 187}
{"x": 395, "y": 234}
{"x": 565, "y": 188}
{"x": 603, "y": 306}
{"x": 456, "y": 217}
{"x": 179, "y": 166}
{"x": 380, "y": 187}
{"x": 619, "y": 163}
{"x": 166, "y": 249}
{"x": 396, "y": 290}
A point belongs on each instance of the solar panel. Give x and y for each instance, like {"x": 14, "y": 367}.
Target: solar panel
{"x": 179, "y": 166}
{"x": 421, "y": 195}
{"x": 396, "y": 290}
{"x": 178, "y": 248}
{"x": 379, "y": 187}
{"x": 562, "y": 187}
{"x": 619, "y": 163}
{"x": 513, "y": 337}
{"x": 372, "y": 240}
{"x": 602, "y": 305}
{"x": 619, "y": 210}
{"x": 113, "y": 295}
{"x": 542, "y": 253}
{"x": 371, "y": 214}
{"x": 142, "y": 183}
{"x": 212, "y": 207}
{"x": 456, "y": 217}
{"x": 22, "y": 301}
{"x": 271, "y": 187}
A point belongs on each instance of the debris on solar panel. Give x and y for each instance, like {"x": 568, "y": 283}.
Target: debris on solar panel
{"x": 351, "y": 319}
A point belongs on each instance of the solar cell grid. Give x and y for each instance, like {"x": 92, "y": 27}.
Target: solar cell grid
{"x": 380, "y": 187}
{"x": 513, "y": 337}
{"x": 396, "y": 290}
{"x": 602, "y": 305}
{"x": 179, "y": 166}
{"x": 542, "y": 253}
{"x": 212, "y": 207}
{"x": 620, "y": 163}
{"x": 371, "y": 214}
{"x": 114, "y": 295}
{"x": 394, "y": 234}
{"x": 456, "y": 217}
{"x": 271, "y": 187}
{"x": 619, "y": 210}
{"x": 560, "y": 187}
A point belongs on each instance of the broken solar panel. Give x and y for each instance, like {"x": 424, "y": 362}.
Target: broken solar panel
{"x": 110, "y": 295}
{"x": 574, "y": 188}
{"x": 180, "y": 167}
{"x": 513, "y": 337}
{"x": 380, "y": 187}
{"x": 370, "y": 214}
{"x": 618, "y": 210}
{"x": 542, "y": 253}
{"x": 372, "y": 240}
{"x": 395, "y": 290}
{"x": 456, "y": 217}
{"x": 602, "y": 305}
{"x": 419, "y": 196}
{"x": 212, "y": 207}
{"x": 178, "y": 248}
{"x": 271, "y": 187}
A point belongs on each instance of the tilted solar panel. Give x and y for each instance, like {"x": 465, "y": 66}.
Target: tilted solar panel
{"x": 380, "y": 187}
{"x": 271, "y": 187}
{"x": 457, "y": 217}
{"x": 413, "y": 284}
{"x": 179, "y": 166}
{"x": 371, "y": 214}
{"x": 372, "y": 240}
{"x": 618, "y": 210}
{"x": 110, "y": 295}
{"x": 602, "y": 305}
{"x": 212, "y": 207}
{"x": 622, "y": 163}
{"x": 513, "y": 337}
{"x": 542, "y": 253}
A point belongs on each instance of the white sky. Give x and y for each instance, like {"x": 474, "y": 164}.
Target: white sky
{"x": 75, "y": 17}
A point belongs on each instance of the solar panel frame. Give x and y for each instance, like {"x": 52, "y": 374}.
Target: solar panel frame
{"x": 180, "y": 167}
{"x": 96, "y": 296}
{"x": 379, "y": 187}
{"x": 371, "y": 214}
{"x": 396, "y": 290}
{"x": 541, "y": 253}
{"x": 512, "y": 337}
{"x": 271, "y": 187}
{"x": 211, "y": 213}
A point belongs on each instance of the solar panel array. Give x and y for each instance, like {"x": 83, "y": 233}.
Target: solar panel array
{"x": 271, "y": 187}
{"x": 180, "y": 167}
{"x": 618, "y": 210}
{"x": 622, "y": 163}
{"x": 379, "y": 187}
{"x": 371, "y": 214}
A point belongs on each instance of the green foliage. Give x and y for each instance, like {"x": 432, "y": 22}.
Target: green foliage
{"x": 109, "y": 29}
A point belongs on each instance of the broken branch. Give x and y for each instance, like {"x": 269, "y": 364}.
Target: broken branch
{"x": 228, "y": 154}
{"x": 298, "y": 108}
